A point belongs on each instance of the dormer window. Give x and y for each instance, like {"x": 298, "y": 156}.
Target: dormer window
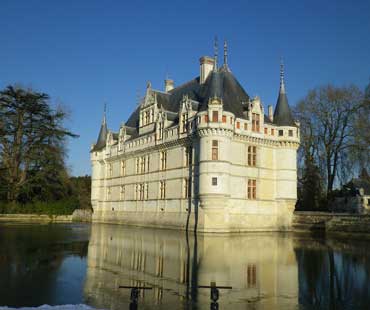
{"x": 215, "y": 116}
{"x": 255, "y": 122}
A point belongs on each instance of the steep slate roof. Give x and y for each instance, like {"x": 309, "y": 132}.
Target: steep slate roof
{"x": 102, "y": 138}
{"x": 283, "y": 114}
{"x": 220, "y": 83}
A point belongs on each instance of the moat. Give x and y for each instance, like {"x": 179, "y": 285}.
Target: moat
{"x": 59, "y": 264}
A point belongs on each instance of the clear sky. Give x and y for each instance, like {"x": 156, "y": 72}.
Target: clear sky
{"x": 83, "y": 53}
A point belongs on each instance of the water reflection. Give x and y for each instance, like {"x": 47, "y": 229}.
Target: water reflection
{"x": 39, "y": 264}
{"x": 334, "y": 274}
{"x": 261, "y": 268}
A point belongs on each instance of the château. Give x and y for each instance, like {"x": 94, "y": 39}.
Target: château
{"x": 203, "y": 155}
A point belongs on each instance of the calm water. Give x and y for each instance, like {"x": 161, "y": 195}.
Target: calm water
{"x": 73, "y": 264}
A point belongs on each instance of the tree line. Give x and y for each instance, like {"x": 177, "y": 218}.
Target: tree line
{"x": 33, "y": 150}
{"x": 335, "y": 141}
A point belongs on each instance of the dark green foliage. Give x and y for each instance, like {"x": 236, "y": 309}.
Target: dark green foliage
{"x": 33, "y": 175}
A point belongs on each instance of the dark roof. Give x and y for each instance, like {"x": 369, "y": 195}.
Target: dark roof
{"x": 362, "y": 183}
{"x": 220, "y": 83}
{"x": 283, "y": 114}
{"x": 102, "y": 139}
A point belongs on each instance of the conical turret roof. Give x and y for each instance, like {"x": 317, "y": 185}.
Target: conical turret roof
{"x": 283, "y": 114}
{"x": 103, "y": 133}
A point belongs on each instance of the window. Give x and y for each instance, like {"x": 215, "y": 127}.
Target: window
{"x": 160, "y": 131}
{"x": 188, "y": 156}
{"x": 224, "y": 118}
{"x": 141, "y": 189}
{"x": 215, "y": 116}
{"x": 251, "y": 275}
{"x": 162, "y": 189}
{"x": 186, "y": 193}
{"x": 110, "y": 170}
{"x": 251, "y": 189}
{"x": 109, "y": 192}
{"x": 281, "y": 133}
{"x": 214, "y": 150}
{"x": 122, "y": 192}
{"x": 147, "y": 163}
{"x": 146, "y": 191}
{"x": 123, "y": 167}
{"x": 290, "y": 132}
{"x": 137, "y": 165}
{"x": 163, "y": 158}
{"x": 214, "y": 181}
{"x": 252, "y": 156}
{"x": 272, "y": 131}
{"x": 183, "y": 122}
{"x": 206, "y": 118}
{"x": 238, "y": 125}
{"x": 265, "y": 131}
{"x": 137, "y": 192}
{"x": 255, "y": 122}
{"x": 142, "y": 164}
{"x": 245, "y": 126}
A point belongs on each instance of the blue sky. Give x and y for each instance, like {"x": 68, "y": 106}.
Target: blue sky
{"x": 83, "y": 53}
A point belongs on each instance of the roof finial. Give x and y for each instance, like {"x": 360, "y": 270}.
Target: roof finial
{"x": 225, "y": 53}
{"x": 216, "y": 54}
{"x": 282, "y": 85}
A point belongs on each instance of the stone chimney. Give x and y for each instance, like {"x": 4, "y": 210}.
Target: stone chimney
{"x": 168, "y": 85}
{"x": 206, "y": 66}
{"x": 271, "y": 113}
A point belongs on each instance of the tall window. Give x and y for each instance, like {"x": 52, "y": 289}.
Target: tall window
{"x": 255, "y": 122}
{"x": 188, "y": 156}
{"x": 141, "y": 189}
{"x": 137, "y": 195}
{"x": 183, "y": 122}
{"x": 142, "y": 164}
{"x": 162, "y": 189}
{"x": 251, "y": 189}
{"x": 110, "y": 170}
{"x": 224, "y": 118}
{"x": 206, "y": 118}
{"x": 163, "y": 159}
{"x": 238, "y": 125}
{"x": 147, "y": 163}
{"x": 245, "y": 126}
{"x": 251, "y": 275}
{"x": 123, "y": 168}
{"x": 109, "y": 192}
{"x": 272, "y": 131}
{"x": 137, "y": 164}
{"x": 252, "y": 156}
{"x": 186, "y": 193}
{"x": 214, "y": 150}
{"x": 122, "y": 192}
{"x": 265, "y": 131}
{"x": 146, "y": 195}
{"x": 281, "y": 132}
{"x": 214, "y": 116}
{"x": 160, "y": 131}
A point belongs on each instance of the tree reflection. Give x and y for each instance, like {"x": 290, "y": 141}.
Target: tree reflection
{"x": 331, "y": 275}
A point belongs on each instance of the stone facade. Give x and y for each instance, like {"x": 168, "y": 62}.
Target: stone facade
{"x": 199, "y": 156}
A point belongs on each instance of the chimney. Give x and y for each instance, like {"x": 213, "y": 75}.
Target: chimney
{"x": 271, "y": 113}
{"x": 206, "y": 66}
{"x": 168, "y": 85}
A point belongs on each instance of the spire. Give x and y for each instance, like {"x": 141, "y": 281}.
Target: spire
{"x": 103, "y": 133}
{"x": 216, "y": 54}
{"x": 282, "y": 84}
{"x": 225, "y": 53}
{"x": 282, "y": 114}
{"x": 105, "y": 114}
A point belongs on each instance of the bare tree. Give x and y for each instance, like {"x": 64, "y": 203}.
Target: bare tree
{"x": 332, "y": 121}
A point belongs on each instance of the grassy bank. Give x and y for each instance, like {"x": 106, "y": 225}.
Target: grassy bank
{"x": 61, "y": 207}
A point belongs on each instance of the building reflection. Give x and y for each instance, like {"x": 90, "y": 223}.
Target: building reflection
{"x": 261, "y": 268}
